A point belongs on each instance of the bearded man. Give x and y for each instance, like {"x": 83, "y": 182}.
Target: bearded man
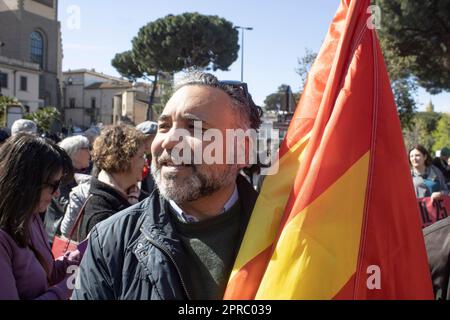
{"x": 182, "y": 241}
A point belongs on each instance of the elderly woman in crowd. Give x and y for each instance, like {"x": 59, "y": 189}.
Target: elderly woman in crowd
{"x": 428, "y": 180}
{"x": 119, "y": 155}
{"x": 77, "y": 147}
{"x": 31, "y": 169}
{"x": 79, "y": 194}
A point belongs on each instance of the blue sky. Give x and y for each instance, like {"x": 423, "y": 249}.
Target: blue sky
{"x": 282, "y": 29}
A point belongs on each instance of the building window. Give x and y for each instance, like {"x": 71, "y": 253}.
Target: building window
{"x": 23, "y": 84}
{"x": 37, "y": 48}
{"x": 93, "y": 103}
{"x": 3, "y": 80}
{"x": 48, "y": 3}
{"x": 72, "y": 103}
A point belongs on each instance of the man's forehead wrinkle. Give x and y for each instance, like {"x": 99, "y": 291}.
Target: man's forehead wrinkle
{"x": 199, "y": 100}
{"x": 197, "y": 103}
{"x": 189, "y": 104}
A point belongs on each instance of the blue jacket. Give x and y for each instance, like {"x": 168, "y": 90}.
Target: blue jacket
{"x": 137, "y": 255}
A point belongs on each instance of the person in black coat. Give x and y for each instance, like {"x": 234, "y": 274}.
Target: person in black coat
{"x": 119, "y": 155}
{"x": 437, "y": 243}
{"x": 441, "y": 163}
{"x": 3, "y": 136}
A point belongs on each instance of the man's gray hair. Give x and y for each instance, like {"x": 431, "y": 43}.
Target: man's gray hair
{"x": 73, "y": 144}
{"x": 243, "y": 103}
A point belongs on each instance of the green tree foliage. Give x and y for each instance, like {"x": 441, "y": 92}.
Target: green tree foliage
{"x": 304, "y": 65}
{"x": 404, "y": 86}
{"x": 441, "y": 135}
{"x": 418, "y": 134}
{"x": 416, "y": 40}
{"x": 44, "y": 118}
{"x": 430, "y": 107}
{"x": 4, "y": 102}
{"x": 404, "y": 90}
{"x": 428, "y": 129}
{"x": 126, "y": 66}
{"x": 278, "y": 100}
{"x": 177, "y": 42}
{"x": 430, "y": 119}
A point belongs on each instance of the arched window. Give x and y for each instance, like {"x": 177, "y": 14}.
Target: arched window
{"x": 37, "y": 48}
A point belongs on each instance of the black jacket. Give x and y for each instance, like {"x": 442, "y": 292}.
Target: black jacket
{"x": 137, "y": 255}
{"x": 437, "y": 242}
{"x": 104, "y": 202}
{"x": 438, "y": 163}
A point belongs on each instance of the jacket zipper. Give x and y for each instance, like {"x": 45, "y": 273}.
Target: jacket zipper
{"x": 168, "y": 254}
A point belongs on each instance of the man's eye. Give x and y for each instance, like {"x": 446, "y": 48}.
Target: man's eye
{"x": 192, "y": 127}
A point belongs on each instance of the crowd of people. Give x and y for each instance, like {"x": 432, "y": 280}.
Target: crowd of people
{"x": 431, "y": 177}
{"x": 46, "y": 187}
{"x": 157, "y": 235}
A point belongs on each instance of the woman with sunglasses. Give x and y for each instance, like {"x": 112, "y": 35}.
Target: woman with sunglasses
{"x": 31, "y": 169}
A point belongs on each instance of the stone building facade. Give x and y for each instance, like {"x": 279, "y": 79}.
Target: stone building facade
{"x": 31, "y": 33}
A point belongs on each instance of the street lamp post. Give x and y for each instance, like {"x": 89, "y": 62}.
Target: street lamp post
{"x": 242, "y": 49}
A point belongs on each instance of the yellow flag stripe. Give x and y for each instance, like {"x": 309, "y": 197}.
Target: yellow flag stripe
{"x": 318, "y": 250}
{"x": 269, "y": 207}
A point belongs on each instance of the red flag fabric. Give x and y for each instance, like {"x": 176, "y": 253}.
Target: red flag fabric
{"x": 350, "y": 227}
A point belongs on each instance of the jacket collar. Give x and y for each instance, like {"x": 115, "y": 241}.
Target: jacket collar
{"x": 157, "y": 228}
{"x": 189, "y": 219}
{"x": 157, "y": 219}
{"x": 429, "y": 173}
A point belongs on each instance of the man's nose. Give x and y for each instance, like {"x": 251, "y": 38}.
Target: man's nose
{"x": 171, "y": 139}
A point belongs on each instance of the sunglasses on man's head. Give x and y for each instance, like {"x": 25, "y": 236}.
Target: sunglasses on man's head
{"x": 244, "y": 88}
{"x": 237, "y": 84}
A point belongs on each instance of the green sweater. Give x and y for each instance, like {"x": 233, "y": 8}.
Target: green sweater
{"x": 211, "y": 247}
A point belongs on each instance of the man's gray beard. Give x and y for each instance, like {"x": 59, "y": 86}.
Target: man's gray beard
{"x": 200, "y": 183}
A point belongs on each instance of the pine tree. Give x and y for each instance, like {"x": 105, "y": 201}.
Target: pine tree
{"x": 430, "y": 107}
{"x": 442, "y": 133}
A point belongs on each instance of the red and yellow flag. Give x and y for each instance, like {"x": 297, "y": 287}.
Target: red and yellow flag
{"x": 340, "y": 219}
